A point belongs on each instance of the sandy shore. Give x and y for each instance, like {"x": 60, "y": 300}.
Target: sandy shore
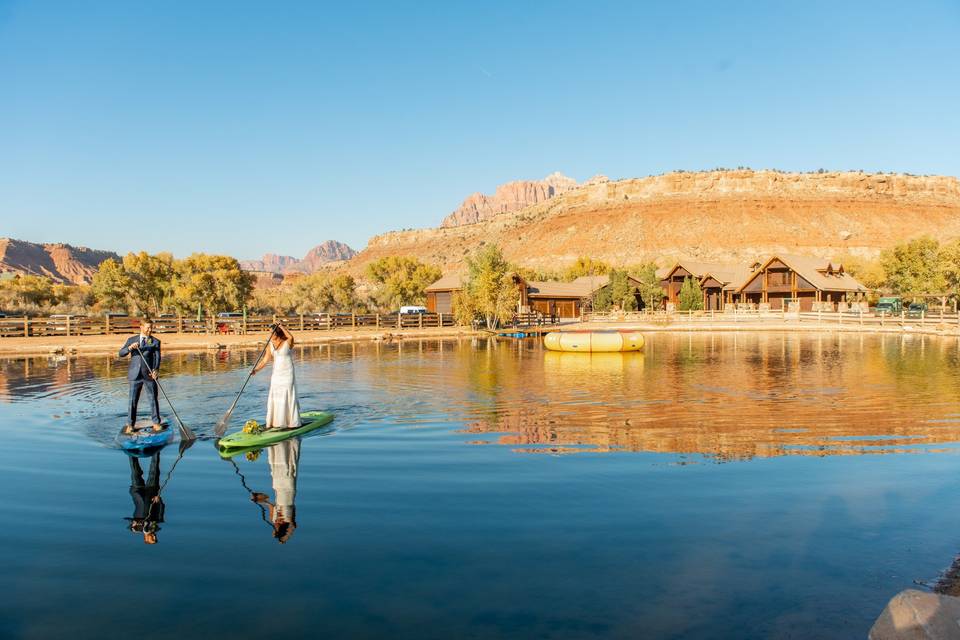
{"x": 104, "y": 345}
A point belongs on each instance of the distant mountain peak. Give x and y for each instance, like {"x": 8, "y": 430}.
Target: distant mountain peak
{"x": 324, "y": 253}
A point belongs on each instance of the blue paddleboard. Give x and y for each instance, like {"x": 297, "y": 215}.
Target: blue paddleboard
{"x": 143, "y": 442}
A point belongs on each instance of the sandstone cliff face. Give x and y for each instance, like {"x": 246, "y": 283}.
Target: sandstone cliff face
{"x": 62, "y": 263}
{"x": 714, "y": 215}
{"x": 323, "y": 254}
{"x": 508, "y": 197}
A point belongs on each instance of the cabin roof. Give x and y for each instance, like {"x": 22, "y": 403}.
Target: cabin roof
{"x": 449, "y": 282}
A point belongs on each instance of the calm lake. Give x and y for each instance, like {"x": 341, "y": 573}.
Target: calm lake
{"x": 716, "y": 486}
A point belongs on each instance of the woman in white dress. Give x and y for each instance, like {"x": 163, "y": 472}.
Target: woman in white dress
{"x": 283, "y": 408}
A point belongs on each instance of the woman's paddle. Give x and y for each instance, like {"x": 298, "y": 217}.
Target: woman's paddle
{"x": 221, "y": 427}
{"x": 185, "y": 432}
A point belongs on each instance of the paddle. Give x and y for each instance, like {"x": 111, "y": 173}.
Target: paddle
{"x": 185, "y": 432}
{"x": 221, "y": 427}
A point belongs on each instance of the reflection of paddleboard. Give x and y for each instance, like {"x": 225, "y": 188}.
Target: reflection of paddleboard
{"x": 239, "y": 441}
{"x": 144, "y": 440}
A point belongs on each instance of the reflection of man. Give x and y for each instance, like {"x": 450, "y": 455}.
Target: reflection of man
{"x": 147, "y": 504}
{"x": 283, "y": 459}
{"x": 144, "y": 352}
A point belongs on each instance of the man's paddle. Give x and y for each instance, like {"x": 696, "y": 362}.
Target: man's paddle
{"x": 185, "y": 432}
{"x": 221, "y": 427}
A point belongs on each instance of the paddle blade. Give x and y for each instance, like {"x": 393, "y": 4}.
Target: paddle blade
{"x": 221, "y": 427}
{"x": 186, "y": 433}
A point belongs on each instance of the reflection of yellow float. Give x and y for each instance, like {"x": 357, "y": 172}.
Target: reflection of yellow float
{"x": 593, "y": 341}
{"x": 592, "y": 364}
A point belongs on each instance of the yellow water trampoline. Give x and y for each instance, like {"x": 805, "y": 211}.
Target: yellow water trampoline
{"x": 594, "y": 341}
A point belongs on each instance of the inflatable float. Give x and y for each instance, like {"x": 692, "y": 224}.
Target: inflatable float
{"x": 593, "y": 341}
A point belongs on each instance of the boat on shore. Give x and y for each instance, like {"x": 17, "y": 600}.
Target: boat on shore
{"x": 594, "y": 341}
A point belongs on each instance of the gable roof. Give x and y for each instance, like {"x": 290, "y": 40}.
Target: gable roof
{"x": 450, "y": 282}
{"x": 701, "y": 269}
{"x": 810, "y": 270}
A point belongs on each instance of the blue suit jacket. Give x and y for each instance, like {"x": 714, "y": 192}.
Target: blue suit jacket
{"x": 138, "y": 369}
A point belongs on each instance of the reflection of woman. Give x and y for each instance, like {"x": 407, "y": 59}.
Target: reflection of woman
{"x": 283, "y": 458}
{"x": 283, "y": 408}
{"x": 147, "y": 504}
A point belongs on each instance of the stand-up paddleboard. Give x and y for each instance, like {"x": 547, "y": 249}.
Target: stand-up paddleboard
{"x": 144, "y": 440}
{"x": 239, "y": 441}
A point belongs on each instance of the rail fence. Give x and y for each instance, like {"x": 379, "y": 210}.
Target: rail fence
{"x": 851, "y": 317}
{"x": 25, "y": 326}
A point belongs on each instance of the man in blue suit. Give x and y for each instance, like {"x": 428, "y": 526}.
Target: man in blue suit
{"x": 144, "y": 352}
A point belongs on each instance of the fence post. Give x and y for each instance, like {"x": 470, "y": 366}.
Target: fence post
{"x": 26, "y": 326}
{"x": 68, "y": 326}
{"x": 420, "y": 317}
{"x": 179, "y": 323}
{"x": 440, "y": 319}
{"x": 819, "y": 313}
{"x": 378, "y": 320}
{"x": 398, "y": 321}
{"x": 106, "y": 323}
{"x": 301, "y": 322}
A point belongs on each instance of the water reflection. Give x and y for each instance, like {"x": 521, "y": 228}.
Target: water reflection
{"x": 729, "y": 396}
{"x": 280, "y": 512}
{"x": 148, "y": 506}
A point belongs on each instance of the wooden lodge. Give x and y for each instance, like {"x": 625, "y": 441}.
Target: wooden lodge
{"x": 550, "y": 298}
{"x": 718, "y": 281}
{"x": 776, "y": 282}
{"x": 806, "y": 281}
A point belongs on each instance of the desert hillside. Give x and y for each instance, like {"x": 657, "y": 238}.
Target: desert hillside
{"x": 61, "y": 262}
{"x": 713, "y": 215}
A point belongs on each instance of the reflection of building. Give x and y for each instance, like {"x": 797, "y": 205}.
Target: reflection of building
{"x": 730, "y": 397}
{"x": 549, "y": 297}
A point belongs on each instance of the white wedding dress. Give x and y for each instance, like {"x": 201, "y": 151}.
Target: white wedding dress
{"x": 283, "y": 408}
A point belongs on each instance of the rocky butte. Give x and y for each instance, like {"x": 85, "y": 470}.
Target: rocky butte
{"x": 323, "y": 255}
{"x": 63, "y": 263}
{"x": 709, "y": 215}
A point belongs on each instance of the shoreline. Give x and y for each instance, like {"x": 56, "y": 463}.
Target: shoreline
{"x": 199, "y": 342}
{"x": 946, "y": 330}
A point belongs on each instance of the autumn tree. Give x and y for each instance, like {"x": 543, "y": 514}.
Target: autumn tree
{"x": 914, "y": 267}
{"x": 211, "y": 283}
{"x": 151, "y": 280}
{"x": 490, "y": 289}
{"x": 401, "y": 280}
{"x": 28, "y": 292}
{"x": 111, "y": 286}
{"x": 585, "y": 266}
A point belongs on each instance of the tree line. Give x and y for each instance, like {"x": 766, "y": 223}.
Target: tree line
{"x": 148, "y": 284}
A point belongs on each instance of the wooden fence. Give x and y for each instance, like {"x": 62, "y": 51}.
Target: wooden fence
{"x": 25, "y": 326}
{"x": 850, "y": 317}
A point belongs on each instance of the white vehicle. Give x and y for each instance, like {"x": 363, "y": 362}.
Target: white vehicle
{"x": 412, "y": 309}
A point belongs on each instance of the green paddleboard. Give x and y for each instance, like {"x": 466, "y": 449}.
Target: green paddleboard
{"x": 309, "y": 420}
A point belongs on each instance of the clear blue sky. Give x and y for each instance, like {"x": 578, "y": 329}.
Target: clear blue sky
{"x": 247, "y": 127}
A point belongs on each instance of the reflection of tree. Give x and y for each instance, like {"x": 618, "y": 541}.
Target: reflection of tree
{"x": 735, "y": 396}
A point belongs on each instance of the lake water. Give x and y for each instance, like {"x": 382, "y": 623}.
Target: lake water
{"x": 717, "y": 486}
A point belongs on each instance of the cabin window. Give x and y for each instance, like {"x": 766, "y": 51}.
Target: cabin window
{"x": 778, "y": 278}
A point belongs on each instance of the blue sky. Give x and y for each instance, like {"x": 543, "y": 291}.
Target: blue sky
{"x": 251, "y": 127}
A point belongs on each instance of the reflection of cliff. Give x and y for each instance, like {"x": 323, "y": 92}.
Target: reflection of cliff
{"x": 737, "y": 396}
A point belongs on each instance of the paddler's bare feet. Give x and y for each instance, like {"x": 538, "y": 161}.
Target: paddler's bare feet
{"x": 157, "y": 426}
{"x": 127, "y": 430}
